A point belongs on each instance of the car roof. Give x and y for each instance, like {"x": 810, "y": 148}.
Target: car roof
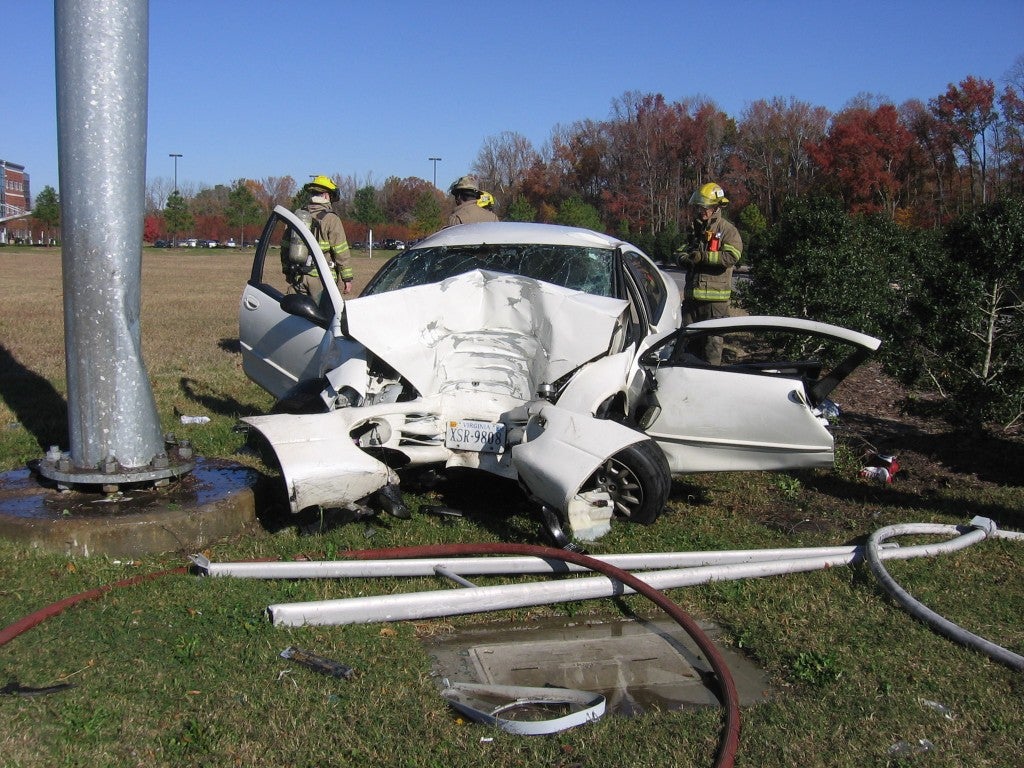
{"x": 514, "y": 232}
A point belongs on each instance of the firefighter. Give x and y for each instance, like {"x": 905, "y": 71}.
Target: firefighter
{"x": 329, "y": 231}
{"x": 468, "y": 210}
{"x": 709, "y": 256}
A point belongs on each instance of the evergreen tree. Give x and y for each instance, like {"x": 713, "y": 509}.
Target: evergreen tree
{"x": 965, "y": 323}
{"x": 242, "y": 210}
{"x": 366, "y": 209}
{"x": 177, "y": 216}
{"x": 47, "y": 210}
{"x": 521, "y": 210}
{"x": 822, "y": 264}
{"x": 574, "y": 212}
{"x": 427, "y": 213}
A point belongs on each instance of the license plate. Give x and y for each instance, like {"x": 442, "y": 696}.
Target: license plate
{"x": 472, "y": 435}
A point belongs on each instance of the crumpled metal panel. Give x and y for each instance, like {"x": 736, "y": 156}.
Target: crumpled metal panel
{"x": 319, "y": 462}
{"x": 471, "y": 327}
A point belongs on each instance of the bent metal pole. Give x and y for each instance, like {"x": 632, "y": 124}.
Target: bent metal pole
{"x": 102, "y": 52}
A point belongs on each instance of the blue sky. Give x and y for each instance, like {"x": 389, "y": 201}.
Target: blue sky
{"x": 373, "y": 89}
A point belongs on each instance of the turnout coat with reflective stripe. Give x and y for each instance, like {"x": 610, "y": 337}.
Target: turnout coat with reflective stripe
{"x": 712, "y": 257}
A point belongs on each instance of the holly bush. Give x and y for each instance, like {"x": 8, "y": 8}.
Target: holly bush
{"x": 947, "y": 304}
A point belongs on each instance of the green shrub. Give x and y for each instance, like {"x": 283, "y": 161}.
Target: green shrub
{"x": 947, "y": 305}
{"x": 822, "y": 264}
{"x": 967, "y": 317}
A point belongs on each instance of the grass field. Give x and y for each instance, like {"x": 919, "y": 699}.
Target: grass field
{"x": 185, "y": 671}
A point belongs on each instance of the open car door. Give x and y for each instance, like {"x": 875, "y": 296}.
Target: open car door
{"x": 285, "y": 335}
{"x": 750, "y": 413}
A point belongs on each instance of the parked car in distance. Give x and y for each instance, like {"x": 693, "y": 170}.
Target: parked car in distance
{"x": 550, "y": 355}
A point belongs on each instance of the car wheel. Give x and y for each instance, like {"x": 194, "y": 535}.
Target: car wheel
{"x": 638, "y": 480}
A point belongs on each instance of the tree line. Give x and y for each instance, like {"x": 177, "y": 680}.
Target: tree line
{"x": 921, "y": 163}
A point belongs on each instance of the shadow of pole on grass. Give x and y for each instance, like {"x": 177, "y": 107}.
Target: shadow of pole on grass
{"x": 39, "y": 407}
{"x": 215, "y": 402}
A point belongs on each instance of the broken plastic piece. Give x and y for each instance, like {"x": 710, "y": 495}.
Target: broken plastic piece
{"x": 829, "y": 409}
{"x": 906, "y": 749}
{"x": 318, "y": 663}
{"x": 195, "y": 419}
{"x": 389, "y": 498}
{"x": 942, "y": 709}
{"x": 499, "y": 705}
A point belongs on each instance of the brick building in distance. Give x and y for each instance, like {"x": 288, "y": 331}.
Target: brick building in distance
{"x": 15, "y": 202}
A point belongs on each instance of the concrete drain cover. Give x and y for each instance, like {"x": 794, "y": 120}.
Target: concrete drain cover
{"x": 637, "y": 665}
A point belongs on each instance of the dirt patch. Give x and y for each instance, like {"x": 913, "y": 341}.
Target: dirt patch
{"x": 941, "y": 467}
{"x": 889, "y": 418}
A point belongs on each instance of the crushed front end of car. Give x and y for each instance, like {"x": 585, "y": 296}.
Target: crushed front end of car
{"x": 458, "y": 374}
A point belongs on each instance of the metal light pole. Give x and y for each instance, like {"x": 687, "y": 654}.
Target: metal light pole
{"x": 102, "y": 91}
{"x": 435, "y": 161}
{"x": 175, "y": 156}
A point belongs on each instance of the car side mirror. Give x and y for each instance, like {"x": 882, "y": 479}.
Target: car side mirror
{"x": 302, "y": 305}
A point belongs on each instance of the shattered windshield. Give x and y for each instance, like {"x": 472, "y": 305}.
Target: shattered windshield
{"x": 578, "y": 267}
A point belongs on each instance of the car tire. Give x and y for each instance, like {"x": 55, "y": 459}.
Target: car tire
{"x": 638, "y": 480}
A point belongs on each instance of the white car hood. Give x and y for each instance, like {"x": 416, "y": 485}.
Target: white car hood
{"x": 501, "y": 332}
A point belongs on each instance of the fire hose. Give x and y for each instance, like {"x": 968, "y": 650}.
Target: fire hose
{"x": 729, "y": 741}
{"x": 873, "y": 553}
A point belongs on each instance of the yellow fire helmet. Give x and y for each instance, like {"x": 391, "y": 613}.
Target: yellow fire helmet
{"x": 709, "y": 195}
{"x": 486, "y": 200}
{"x": 323, "y": 182}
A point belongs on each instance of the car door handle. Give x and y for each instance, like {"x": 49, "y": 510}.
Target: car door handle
{"x": 251, "y": 303}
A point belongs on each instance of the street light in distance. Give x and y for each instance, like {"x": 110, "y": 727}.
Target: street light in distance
{"x": 175, "y": 155}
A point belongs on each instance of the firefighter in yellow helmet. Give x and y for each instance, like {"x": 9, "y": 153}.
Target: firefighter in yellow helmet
{"x": 708, "y": 256}
{"x": 329, "y": 231}
{"x": 468, "y": 210}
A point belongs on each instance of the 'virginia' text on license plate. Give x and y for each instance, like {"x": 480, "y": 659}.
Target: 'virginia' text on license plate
{"x": 472, "y": 435}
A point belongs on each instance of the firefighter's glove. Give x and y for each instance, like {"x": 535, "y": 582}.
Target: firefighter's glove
{"x": 346, "y": 286}
{"x": 689, "y": 259}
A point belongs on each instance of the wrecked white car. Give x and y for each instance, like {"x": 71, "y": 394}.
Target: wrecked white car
{"x": 549, "y": 355}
